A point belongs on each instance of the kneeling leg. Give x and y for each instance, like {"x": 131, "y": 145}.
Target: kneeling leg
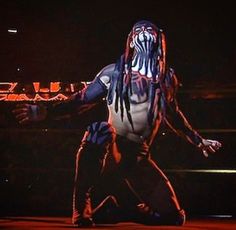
{"x": 158, "y": 204}
{"x": 89, "y": 164}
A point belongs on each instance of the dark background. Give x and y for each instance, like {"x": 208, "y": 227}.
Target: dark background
{"x": 70, "y": 41}
{"x": 73, "y": 40}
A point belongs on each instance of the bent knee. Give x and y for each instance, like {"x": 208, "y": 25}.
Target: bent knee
{"x": 100, "y": 133}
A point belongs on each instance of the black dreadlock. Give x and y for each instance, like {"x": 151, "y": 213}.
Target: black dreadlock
{"x": 121, "y": 80}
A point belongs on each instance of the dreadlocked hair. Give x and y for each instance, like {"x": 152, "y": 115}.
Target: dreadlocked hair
{"x": 123, "y": 87}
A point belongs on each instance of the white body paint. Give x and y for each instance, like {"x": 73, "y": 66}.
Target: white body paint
{"x": 142, "y": 132}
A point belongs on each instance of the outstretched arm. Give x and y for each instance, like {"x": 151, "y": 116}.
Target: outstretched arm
{"x": 176, "y": 120}
{"x": 76, "y": 104}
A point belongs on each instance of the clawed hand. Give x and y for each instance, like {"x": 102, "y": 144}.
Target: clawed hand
{"x": 209, "y": 146}
{"x": 26, "y": 113}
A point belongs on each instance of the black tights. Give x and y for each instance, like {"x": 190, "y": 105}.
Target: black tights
{"x": 143, "y": 192}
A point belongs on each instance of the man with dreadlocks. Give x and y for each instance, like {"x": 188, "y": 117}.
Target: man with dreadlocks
{"x": 140, "y": 91}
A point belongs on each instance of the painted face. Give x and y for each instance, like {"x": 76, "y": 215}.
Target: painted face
{"x": 144, "y": 36}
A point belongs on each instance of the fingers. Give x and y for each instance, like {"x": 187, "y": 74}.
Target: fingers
{"x": 205, "y": 153}
{"x": 20, "y": 110}
{"x": 24, "y": 120}
{"x": 208, "y": 149}
{"x": 22, "y": 113}
{"x": 217, "y": 144}
{"x": 216, "y": 147}
{"x": 21, "y": 116}
{"x": 211, "y": 149}
{"x": 212, "y": 145}
{"x": 209, "y": 146}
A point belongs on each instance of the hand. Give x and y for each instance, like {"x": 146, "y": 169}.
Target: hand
{"x": 26, "y": 113}
{"x": 209, "y": 146}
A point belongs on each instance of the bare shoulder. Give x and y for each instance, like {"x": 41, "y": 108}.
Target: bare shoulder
{"x": 106, "y": 73}
{"x": 107, "y": 70}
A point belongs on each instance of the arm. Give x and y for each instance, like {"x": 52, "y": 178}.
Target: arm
{"x": 176, "y": 120}
{"x": 179, "y": 124}
{"x": 76, "y": 104}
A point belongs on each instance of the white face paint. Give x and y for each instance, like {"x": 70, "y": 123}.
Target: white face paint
{"x": 144, "y": 37}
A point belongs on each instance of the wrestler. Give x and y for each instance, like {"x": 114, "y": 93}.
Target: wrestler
{"x": 140, "y": 90}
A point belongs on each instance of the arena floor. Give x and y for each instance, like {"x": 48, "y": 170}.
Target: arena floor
{"x": 46, "y": 223}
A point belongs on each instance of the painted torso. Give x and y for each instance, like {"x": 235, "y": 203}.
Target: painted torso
{"x": 139, "y": 104}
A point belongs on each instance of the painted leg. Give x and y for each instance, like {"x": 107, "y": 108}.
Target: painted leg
{"x": 158, "y": 202}
{"x": 90, "y": 160}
